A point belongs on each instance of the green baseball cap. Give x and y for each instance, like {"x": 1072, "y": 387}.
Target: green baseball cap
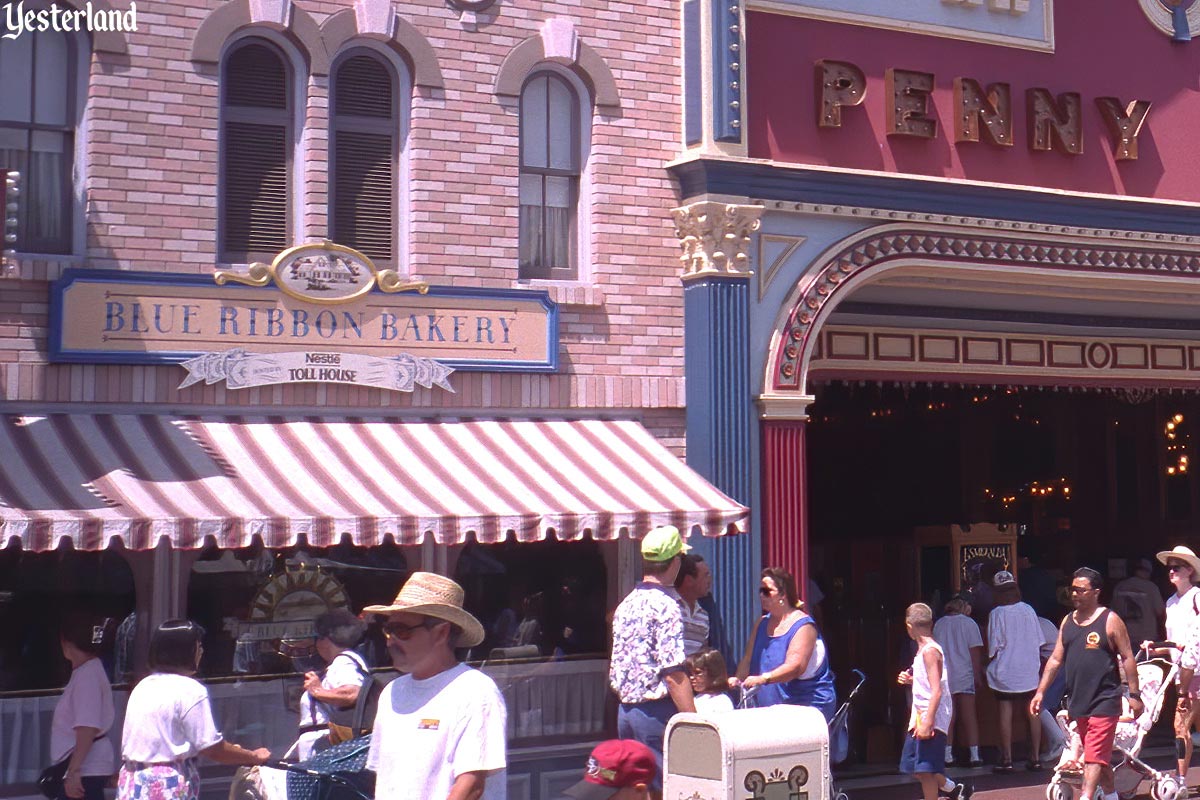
{"x": 663, "y": 544}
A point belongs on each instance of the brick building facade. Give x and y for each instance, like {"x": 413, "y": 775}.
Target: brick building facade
{"x": 137, "y": 179}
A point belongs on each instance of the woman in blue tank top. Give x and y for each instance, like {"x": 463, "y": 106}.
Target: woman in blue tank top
{"x": 785, "y": 657}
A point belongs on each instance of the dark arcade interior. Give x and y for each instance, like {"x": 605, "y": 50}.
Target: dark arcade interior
{"x": 1080, "y": 476}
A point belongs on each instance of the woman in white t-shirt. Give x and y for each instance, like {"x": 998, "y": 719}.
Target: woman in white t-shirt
{"x": 84, "y": 714}
{"x": 1014, "y": 645}
{"x": 962, "y": 647}
{"x": 1183, "y": 613}
{"x": 169, "y": 722}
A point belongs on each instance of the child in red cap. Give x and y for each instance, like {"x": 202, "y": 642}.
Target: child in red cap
{"x": 619, "y": 769}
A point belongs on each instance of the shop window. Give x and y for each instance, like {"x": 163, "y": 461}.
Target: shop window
{"x": 543, "y": 607}
{"x": 551, "y": 168}
{"x": 364, "y": 148}
{"x": 252, "y": 600}
{"x": 256, "y": 151}
{"x": 38, "y": 102}
{"x": 37, "y": 590}
{"x": 537, "y": 599}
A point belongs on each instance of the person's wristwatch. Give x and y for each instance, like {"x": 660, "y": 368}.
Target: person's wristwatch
{"x": 1135, "y": 695}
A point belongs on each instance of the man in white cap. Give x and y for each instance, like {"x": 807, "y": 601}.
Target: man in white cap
{"x": 647, "y": 668}
{"x": 440, "y": 729}
{"x": 1139, "y": 603}
{"x": 1183, "y": 611}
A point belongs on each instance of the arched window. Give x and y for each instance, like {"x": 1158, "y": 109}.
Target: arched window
{"x": 364, "y": 154}
{"x": 256, "y": 152}
{"x": 38, "y": 105}
{"x": 550, "y": 171}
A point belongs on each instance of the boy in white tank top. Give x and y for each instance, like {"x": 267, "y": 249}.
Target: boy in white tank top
{"x": 924, "y": 755}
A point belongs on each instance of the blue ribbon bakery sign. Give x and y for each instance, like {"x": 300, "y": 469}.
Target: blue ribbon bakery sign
{"x": 319, "y": 313}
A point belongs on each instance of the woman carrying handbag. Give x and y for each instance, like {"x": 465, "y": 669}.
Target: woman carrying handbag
{"x": 83, "y": 716}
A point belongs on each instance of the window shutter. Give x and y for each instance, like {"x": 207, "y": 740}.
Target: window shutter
{"x": 362, "y": 208}
{"x": 364, "y": 190}
{"x": 256, "y": 78}
{"x": 364, "y": 88}
{"x": 256, "y": 145}
{"x": 256, "y": 188}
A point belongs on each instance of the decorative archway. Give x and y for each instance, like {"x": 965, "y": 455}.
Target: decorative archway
{"x": 987, "y": 244}
{"x": 903, "y": 240}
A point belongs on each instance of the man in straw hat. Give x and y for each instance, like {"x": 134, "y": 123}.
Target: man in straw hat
{"x": 440, "y": 729}
{"x": 1183, "y": 610}
{"x": 647, "y": 668}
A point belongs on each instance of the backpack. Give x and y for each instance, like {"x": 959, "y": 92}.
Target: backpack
{"x": 357, "y": 720}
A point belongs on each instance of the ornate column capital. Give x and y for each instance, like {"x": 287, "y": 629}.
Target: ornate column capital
{"x": 715, "y": 238}
{"x": 784, "y": 407}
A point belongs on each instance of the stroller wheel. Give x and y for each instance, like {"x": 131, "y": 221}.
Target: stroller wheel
{"x": 1164, "y": 787}
{"x": 841, "y": 796}
{"x": 1057, "y": 790}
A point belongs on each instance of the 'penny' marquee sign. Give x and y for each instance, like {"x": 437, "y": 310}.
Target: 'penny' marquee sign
{"x": 981, "y": 114}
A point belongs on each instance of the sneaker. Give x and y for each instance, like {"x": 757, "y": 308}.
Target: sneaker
{"x": 1004, "y": 767}
{"x": 975, "y": 762}
{"x": 1033, "y": 766}
{"x": 959, "y": 792}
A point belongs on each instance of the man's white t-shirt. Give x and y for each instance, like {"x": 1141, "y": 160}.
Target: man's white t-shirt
{"x": 86, "y": 702}
{"x": 428, "y": 732}
{"x": 957, "y": 634}
{"x": 168, "y": 718}
{"x": 1015, "y": 641}
{"x": 1050, "y": 637}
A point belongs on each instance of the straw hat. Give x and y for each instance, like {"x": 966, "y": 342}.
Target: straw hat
{"x": 1184, "y": 554}
{"x": 436, "y": 596}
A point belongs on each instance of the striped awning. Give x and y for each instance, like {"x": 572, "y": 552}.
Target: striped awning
{"x": 95, "y": 478}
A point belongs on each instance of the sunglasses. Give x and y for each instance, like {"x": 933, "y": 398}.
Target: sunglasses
{"x": 1173, "y": 567}
{"x": 764, "y": 591}
{"x": 398, "y": 630}
{"x": 1080, "y": 589}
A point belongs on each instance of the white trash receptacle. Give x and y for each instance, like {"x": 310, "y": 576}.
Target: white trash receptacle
{"x": 774, "y": 753}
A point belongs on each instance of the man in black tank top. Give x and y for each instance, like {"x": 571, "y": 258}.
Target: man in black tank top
{"x": 1090, "y": 640}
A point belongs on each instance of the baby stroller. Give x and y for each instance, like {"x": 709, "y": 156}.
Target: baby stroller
{"x": 1154, "y": 676}
{"x": 336, "y": 773}
{"x": 839, "y": 729}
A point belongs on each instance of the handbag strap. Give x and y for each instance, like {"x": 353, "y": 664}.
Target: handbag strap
{"x": 364, "y": 687}
{"x": 71, "y": 752}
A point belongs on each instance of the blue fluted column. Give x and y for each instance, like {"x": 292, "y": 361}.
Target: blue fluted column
{"x": 720, "y": 412}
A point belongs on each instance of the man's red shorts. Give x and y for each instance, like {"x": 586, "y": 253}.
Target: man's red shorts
{"x": 1097, "y": 734}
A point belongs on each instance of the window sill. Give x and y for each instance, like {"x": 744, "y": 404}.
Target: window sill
{"x": 566, "y": 293}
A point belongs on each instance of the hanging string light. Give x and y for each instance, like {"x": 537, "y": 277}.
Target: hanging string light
{"x": 1178, "y": 444}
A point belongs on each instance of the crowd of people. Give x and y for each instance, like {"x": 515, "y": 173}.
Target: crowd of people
{"x": 1034, "y": 666}
{"x": 448, "y": 719}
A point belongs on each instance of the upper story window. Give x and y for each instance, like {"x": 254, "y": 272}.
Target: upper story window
{"x": 551, "y": 166}
{"x": 256, "y": 152}
{"x": 364, "y": 154}
{"x": 38, "y": 102}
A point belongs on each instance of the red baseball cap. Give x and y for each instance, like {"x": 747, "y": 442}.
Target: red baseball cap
{"x": 614, "y": 765}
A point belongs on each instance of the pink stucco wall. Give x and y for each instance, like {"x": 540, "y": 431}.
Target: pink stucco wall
{"x": 1102, "y": 49}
